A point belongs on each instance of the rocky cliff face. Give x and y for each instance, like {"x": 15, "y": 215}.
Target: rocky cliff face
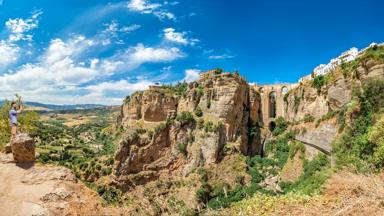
{"x": 171, "y": 132}
{"x": 181, "y": 128}
{"x": 333, "y": 95}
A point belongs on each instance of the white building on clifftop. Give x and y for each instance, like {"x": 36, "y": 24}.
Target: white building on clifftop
{"x": 345, "y": 57}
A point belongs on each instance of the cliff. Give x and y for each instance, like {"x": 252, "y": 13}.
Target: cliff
{"x": 163, "y": 125}
{"x": 172, "y": 133}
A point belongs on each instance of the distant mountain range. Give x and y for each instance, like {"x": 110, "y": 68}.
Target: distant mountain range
{"x": 51, "y": 107}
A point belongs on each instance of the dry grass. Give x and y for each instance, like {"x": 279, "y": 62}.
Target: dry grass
{"x": 345, "y": 193}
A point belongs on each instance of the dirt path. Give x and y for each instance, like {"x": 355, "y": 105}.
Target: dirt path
{"x": 44, "y": 190}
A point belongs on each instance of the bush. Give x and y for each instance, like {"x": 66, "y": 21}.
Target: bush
{"x": 198, "y": 112}
{"x": 109, "y": 161}
{"x": 209, "y": 127}
{"x": 202, "y": 194}
{"x": 185, "y": 118}
{"x": 110, "y": 194}
{"x": 199, "y": 91}
{"x": 44, "y": 157}
{"x": 281, "y": 126}
{"x": 308, "y": 118}
{"x": 218, "y": 71}
{"x": 106, "y": 171}
{"x": 160, "y": 128}
{"x": 374, "y": 93}
{"x": 150, "y": 134}
{"x": 182, "y": 148}
{"x": 141, "y": 131}
{"x": 318, "y": 82}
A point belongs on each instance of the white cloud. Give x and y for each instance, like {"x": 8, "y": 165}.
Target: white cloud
{"x": 191, "y": 75}
{"x": 146, "y": 7}
{"x": 9, "y": 54}
{"x": 20, "y": 27}
{"x": 114, "y": 90}
{"x": 171, "y": 35}
{"x": 142, "y": 6}
{"x": 113, "y": 31}
{"x": 165, "y": 14}
{"x": 224, "y": 56}
{"x": 59, "y": 77}
{"x": 138, "y": 55}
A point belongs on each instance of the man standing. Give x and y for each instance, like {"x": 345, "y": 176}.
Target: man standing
{"x": 13, "y": 113}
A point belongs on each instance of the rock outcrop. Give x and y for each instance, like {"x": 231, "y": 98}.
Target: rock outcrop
{"x": 23, "y": 148}
{"x": 171, "y": 132}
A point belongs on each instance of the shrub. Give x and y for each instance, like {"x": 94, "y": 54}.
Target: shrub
{"x": 308, "y": 118}
{"x": 199, "y": 91}
{"x": 202, "y": 193}
{"x": 160, "y": 128}
{"x": 374, "y": 92}
{"x": 150, "y": 134}
{"x": 127, "y": 99}
{"x": 109, "y": 161}
{"x": 209, "y": 127}
{"x": 110, "y": 194}
{"x": 106, "y": 171}
{"x": 182, "y": 148}
{"x": 318, "y": 82}
{"x": 218, "y": 71}
{"x": 44, "y": 157}
{"x": 281, "y": 126}
{"x": 178, "y": 89}
{"x": 198, "y": 112}
{"x": 141, "y": 130}
{"x": 185, "y": 117}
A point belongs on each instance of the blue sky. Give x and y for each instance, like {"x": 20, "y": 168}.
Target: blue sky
{"x": 93, "y": 51}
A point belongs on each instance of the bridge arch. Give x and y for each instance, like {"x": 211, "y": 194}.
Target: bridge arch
{"x": 284, "y": 90}
{"x": 271, "y": 126}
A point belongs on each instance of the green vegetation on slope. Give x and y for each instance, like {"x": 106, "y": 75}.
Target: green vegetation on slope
{"x": 357, "y": 146}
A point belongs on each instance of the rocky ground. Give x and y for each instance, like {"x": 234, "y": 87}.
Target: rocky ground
{"x": 28, "y": 189}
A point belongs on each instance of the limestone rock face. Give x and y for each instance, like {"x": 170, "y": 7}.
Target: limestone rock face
{"x": 152, "y": 105}
{"x": 228, "y": 108}
{"x": 339, "y": 94}
{"x": 322, "y": 136}
{"x": 23, "y": 148}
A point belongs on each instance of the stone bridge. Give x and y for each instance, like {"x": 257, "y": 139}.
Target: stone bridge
{"x": 273, "y": 106}
{"x": 272, "y": 102}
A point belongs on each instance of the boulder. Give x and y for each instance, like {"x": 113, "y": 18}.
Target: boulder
{"x": 8, "y": 148}
{"x": 23, "y": 148}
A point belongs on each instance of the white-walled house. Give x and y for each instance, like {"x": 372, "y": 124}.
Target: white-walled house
{"x": 346, "y": 56}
